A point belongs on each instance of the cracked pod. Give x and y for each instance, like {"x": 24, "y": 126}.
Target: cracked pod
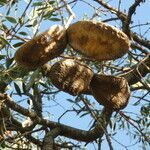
{"x": 42, "y": 48}
{"x": 110, "y": 91}
{"x": 98, "y": 40}
{"x": 71, "y": 76}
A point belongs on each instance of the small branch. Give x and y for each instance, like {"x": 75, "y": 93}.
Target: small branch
{"x": 138, "y": 71}
{"x": 123, "y": 18}
{"x": 120, "y": 14}
{"x": 140, "y": 40}
{"x": 132, "y": 9}
{"x": 101, "y": 123}
{"x": 128, "y": 119}
{"x": 70, "y": 12}
{"x": 139, "y": 47}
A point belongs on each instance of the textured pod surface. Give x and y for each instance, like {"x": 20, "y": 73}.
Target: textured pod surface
{"x": 71, "y": 76}
{"x": 42, "y": 48}
{"x": 98, "y": 40}
{"x": 110, "y": 91}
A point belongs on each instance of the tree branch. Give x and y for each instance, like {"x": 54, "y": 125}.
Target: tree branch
{"x": 66, "y": 131}
{"x": 138, "y": 71}
{"x": 48, "y": 143}
{"x": 126, "y": 27}
{"x": 123, "y": 18}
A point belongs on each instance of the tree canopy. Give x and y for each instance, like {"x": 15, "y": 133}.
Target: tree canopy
{"x": 74, "y": 74}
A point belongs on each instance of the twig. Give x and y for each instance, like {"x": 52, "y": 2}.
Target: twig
{"x": 131, "y": 11}
{"x": 128, "y": 119}
{"x": 70, "y": 12}
{"x": 101, "y": 123}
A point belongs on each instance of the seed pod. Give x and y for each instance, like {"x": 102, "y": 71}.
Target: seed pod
{"x": 98, "y": 40}
{"x": 112, "y": 92}
{"x": 71, "y": 76}
{"x": 42, "y": 48}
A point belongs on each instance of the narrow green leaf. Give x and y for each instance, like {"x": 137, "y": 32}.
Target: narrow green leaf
{"x": 37, "y": 4}
{"x": 9, "y": 62}
{"x": 48, "y": 15}
{"x": 24, "y": 88}
{"x": 23, "y": 33}
{"x": 51, "y": 2}
{"x": 84, "y": 114}
{"x": 4, "y": 41}
{"x": 54, "y": 19}
{"x": 18, "y": 44}
{"x": 70, "y": 100}
{"x": 2, "y": 57}
{"x": 35, "y": 22}
{"x": 17, "y": 88}
{"x": 3, "y": 2}
{"x": 28, "y": 26}
{"x": 136, "y": 103}
{"x": 44, "y": 85}
{"x": 11, "y": 19}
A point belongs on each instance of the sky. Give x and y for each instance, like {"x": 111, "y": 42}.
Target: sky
{"x": 82, "y": 9}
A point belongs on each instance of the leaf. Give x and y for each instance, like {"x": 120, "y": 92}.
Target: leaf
{"x": 4, "y": 41}
{"x": 37, "y": 4}
{"x": 44, "y": 85}
{"x": 70, "y": 100}
{"x": 54, "y": 19}
{"x": 11, "y": 19}
{"x": 35, "y": 22}
{"x": 3, "y": 2}
{"x": 48, "y": 15}
{"x": 18, "y": 44}
{"x": 17, "y": 88}
{"x": 136, "y": 103}
{"x": 24, "y": 88}
{"x": 9, "y": 62}
{"x": 84, "y": 114}
{"x": 29, "y": 26}
{"x": 23, "y": 33}
{"x": 2, "y": 57}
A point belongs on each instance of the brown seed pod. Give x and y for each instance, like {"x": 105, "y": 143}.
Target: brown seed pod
{"x": 42, "y": 48}
{"x": 112, "y": 92}
{"x": 98, "y": 40}
{"x": 71, "y": 76}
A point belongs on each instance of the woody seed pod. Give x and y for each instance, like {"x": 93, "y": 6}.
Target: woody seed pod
{"x": 98, "y": 40}
{"x": 42, "y": 48}
{"x": 71, "y": 76}
{"x": 110, "y": 91}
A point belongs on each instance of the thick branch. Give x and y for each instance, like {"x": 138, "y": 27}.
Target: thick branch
{"x": 66, "y": 131}
{"x": 48, "y": 143}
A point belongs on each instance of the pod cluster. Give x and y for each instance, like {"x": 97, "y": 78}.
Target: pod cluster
{"x": 96, "y": 40}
